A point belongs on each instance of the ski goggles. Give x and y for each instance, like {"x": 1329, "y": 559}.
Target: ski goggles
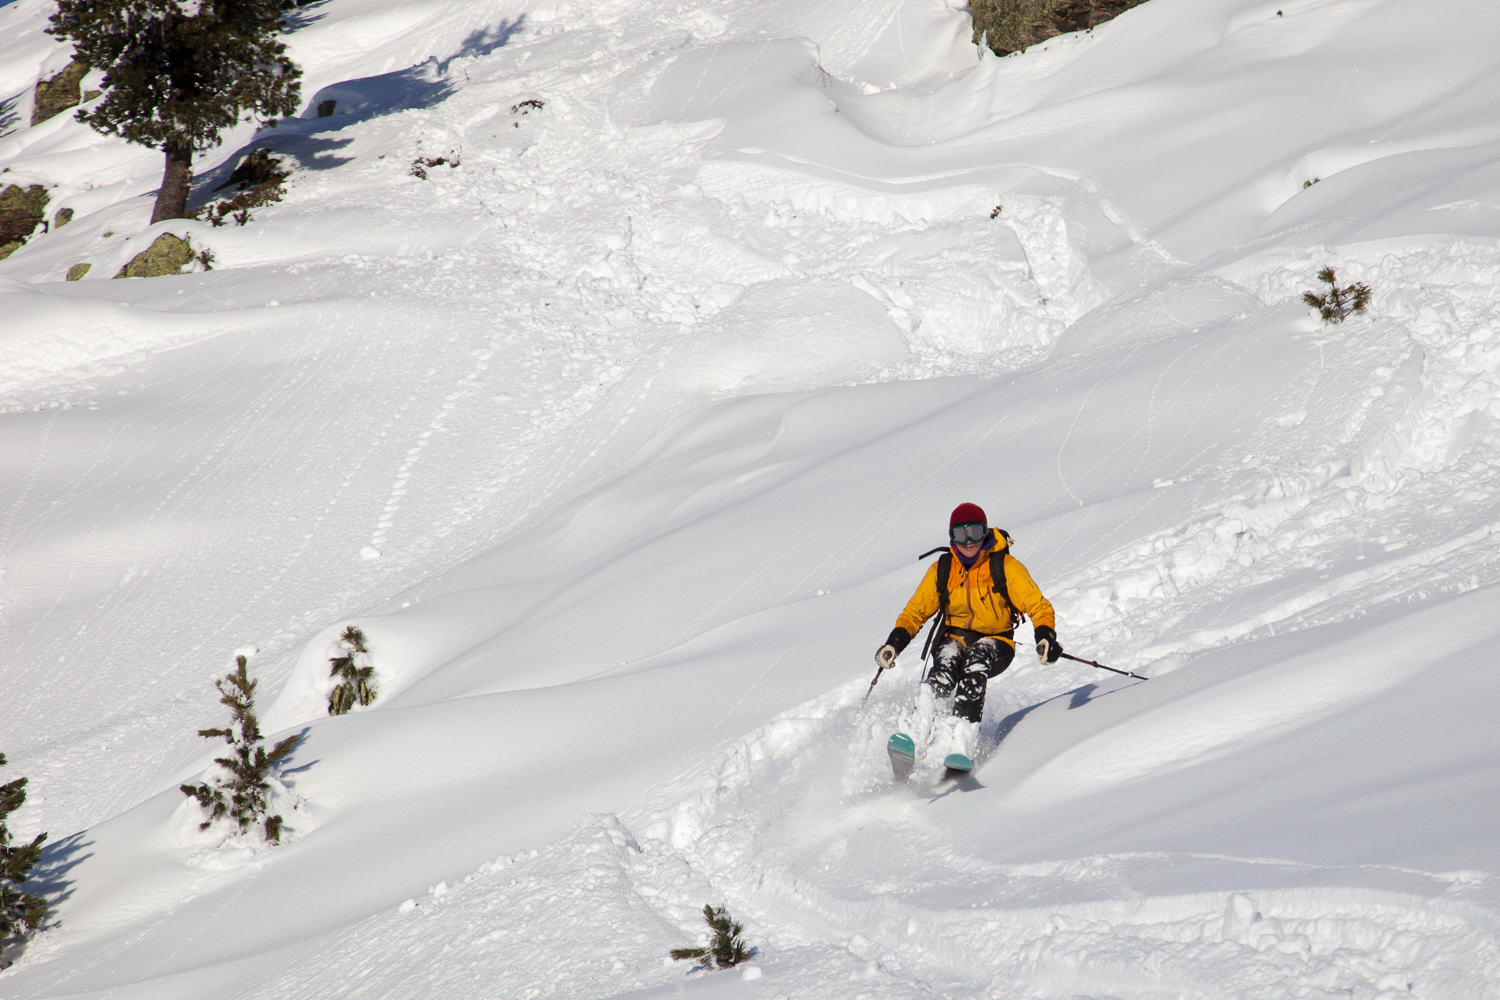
{"x": 968, "y": 534}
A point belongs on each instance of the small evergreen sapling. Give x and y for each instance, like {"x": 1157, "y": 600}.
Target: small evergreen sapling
{"x": 358, "y": 681}
{"x": 259, "y": 181}
{"x": 725, "y": 949}
{"x": 420, "y": 164}
{"x": 20, "y": 913}
{"x": 1338, "y": 304}
{"x": 243, "y": 797}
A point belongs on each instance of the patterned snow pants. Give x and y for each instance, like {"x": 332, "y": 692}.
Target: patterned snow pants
{"x": 964, "y": 672}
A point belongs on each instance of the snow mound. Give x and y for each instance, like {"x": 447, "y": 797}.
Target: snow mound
{"x": 619, "y": 431}
{"x": 51, "y": 335}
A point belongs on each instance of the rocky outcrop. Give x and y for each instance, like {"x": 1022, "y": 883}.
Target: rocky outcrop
{"x": 1013, "y": 25}
{"x": 77, "y": 271}
{"x": 260, "y": 167}
{"x": 62, "y": 218}
{"x": 21, "y": 211}
{"x": 1080, "y": 15}
{"x": 166, "y": 255}
{"x": 60, "y": 93}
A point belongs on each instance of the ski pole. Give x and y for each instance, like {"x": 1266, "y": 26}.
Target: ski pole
{"x": 876, "y": 679}
{"x": 937, "y": 624}
{"x": 1079, "y": 659}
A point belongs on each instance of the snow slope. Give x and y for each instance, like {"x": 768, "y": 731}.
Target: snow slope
{"x": 620, "y": 437}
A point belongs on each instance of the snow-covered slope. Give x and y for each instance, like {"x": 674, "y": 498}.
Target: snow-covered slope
{"x": 619, "y": 439}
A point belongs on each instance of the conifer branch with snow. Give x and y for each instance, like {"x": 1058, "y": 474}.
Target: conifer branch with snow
{"x": 357, "y": 680}
{"x": 242, "y": 797}
{"x": 1338, "y": 304}
{"x": 726, "y": 948}
{"x": 20, "y": 912}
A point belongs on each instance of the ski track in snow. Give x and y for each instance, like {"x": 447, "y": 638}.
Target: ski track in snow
{"x": 387, "y": 377}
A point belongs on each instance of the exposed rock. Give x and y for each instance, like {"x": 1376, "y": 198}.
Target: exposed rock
{"x": 325, "y": 108}
{"x": 166, "y": 255}
{"x": 77, "y": 271}
{"x": 58, "y": 94}
{"x": 63, "y": 217}
{"x": 1013, "y": 25}
{"x": 89, "y": 95}
{"x": 1080, "y": 15}
{"x": 21, "y": 211}
{"x": 260, "y": 167}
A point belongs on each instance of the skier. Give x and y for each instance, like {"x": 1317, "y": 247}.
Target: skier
{"x": 976, "y": 640}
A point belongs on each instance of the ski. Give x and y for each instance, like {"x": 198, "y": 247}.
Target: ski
{"x": 956, "y": 766}
{"x": 903, "y": 754}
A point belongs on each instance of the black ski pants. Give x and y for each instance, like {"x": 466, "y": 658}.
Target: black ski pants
{"x": 964, "y": 671}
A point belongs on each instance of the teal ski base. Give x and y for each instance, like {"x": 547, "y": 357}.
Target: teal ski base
{"x": 903, "y": 754}
{"x": 956, "y": 765}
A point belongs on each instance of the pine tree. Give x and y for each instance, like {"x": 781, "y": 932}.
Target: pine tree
{"x": 1338, "y": 304}
{"x": 179, "y": 72}
{"x": 358, "y": 681}
{"x": 725, "y": 949}
{"x": 243, "y": 796}
{"x": 20, "y": 913}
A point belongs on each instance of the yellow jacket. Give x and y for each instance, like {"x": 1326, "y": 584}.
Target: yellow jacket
{"x": 973, "y": 602}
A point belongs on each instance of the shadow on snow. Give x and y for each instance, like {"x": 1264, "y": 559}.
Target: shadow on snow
{"x": 421, "y": 86}
{"x": 414, "y": 88}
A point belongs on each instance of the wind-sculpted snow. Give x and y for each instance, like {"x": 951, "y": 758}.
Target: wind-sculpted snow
{"x": 854, "y": 888}
{"x": 618, "y": 433}
{"x": 51, "y": 336}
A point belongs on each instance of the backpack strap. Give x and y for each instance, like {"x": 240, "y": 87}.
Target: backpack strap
{"x": 944, "y": 571}
{"x": 944, "y": 567}
{"x": 997, "y": 578}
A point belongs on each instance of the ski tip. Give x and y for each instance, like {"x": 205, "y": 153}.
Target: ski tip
{"x": 903, "y": 754}
{"x": 958, "y": 764}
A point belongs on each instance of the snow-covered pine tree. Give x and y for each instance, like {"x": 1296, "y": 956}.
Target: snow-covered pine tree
{"x": 20, "y": 912}
{"x": 1338, "y": 304}
{"x": 242, "y": 796}
{"x": 357, "y": 680}
{"x": 179, "y": 72}
{"x": 725, "y": 948}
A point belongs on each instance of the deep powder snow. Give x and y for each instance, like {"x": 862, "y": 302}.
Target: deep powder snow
{"x": 619, "y": 437}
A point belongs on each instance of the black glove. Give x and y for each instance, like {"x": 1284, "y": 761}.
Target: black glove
{"x": 886, "y": 655}
{"x": 1048, "y": 649}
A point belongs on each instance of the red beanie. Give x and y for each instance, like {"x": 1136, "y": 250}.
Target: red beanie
{"x": 967, "y": 513}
